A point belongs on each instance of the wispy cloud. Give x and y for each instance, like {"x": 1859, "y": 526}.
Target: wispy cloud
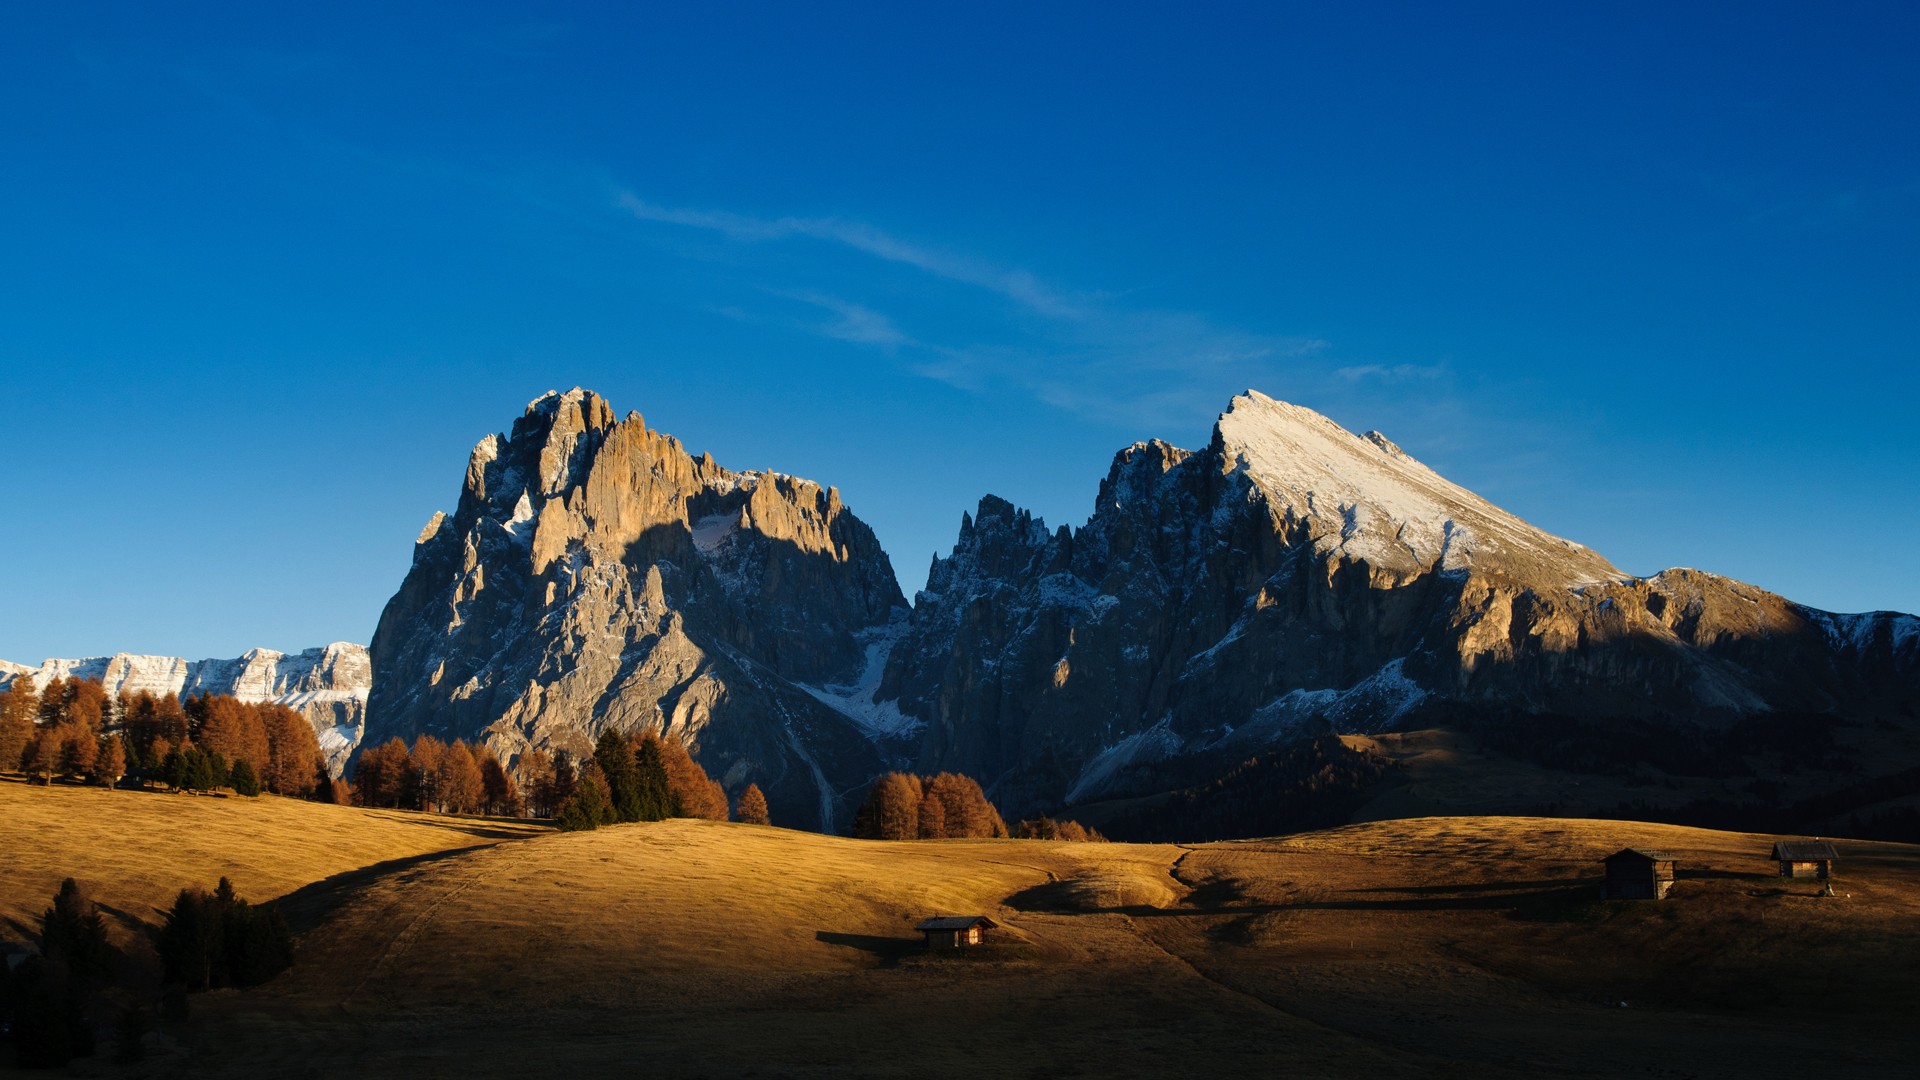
{"x": 1391, "y": 373}
{"x": 1079, "y": 351}
{"x": 853, "y": 322}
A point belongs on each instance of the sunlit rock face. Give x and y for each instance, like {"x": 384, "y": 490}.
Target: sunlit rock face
{"x": 595, "y": 575}
{"x": 327, "y": 685}
{"x": 1292, "y": 579}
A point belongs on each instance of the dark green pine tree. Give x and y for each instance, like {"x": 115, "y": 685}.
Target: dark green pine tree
{"x": 614, "y": 754}
{"x": 244, "y": 780}
{"x": 587, "y": 808}
{"x": 653, "y": 795}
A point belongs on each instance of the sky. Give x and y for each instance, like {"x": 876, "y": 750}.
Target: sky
{"x": 1646, "y": 275}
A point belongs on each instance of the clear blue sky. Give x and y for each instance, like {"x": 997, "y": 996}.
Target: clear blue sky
{"x": 1648, "y": 278}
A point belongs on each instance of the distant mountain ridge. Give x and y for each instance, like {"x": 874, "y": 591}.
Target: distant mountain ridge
{"x": 1289, "y": 580}
{"x": 328, "y": 685}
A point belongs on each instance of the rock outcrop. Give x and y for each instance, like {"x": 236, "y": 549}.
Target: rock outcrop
{"x": 327, "y": 685}
{"x": 595, "y": 575}
{"x": 1293, "y": 579}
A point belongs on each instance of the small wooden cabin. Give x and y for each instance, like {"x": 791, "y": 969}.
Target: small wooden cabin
{"x": 1637, "y": 874}
{"x": 956, "y": 931}
{"x": 1805, "y": 858}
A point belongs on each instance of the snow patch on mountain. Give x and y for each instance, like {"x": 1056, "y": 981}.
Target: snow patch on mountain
{"x": 882, "y": 721}
{"x": 1156, "y": 743}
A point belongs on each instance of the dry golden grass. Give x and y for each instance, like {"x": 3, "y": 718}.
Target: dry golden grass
{"x": 1469, "y": 947}
{"x": 134, "y": 850}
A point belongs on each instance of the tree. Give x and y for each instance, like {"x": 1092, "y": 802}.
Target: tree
{"x": 231, "y": 728}
{"x": 502, "y": 794}
{"x": 73, "y": 932}
{"x": 589, "y": 807}
{"x": 753, "y": 807}
{"x": 380, "y": 774}
{"x": 53, "y": 702}
{"x": 536, "y": 776}
{"x": 892, "y": 809}
{"x": 79, "y": 747}
{"x": 692, "y": 793}
{"x": 110, "y": 764}
{"x": 933, "y": 816}
{"x": 294, "y": 765}
{"x": 18, "y": 708}
{"x": 460, "y": 786}
{"x": 968, "y": 813}
{"x": 614, "y": 754}
{"x": 244, "y": 780}
{"x": 654, "y": 795}
{"x": 43, "y": 754}
{"x": 424, "y": 774}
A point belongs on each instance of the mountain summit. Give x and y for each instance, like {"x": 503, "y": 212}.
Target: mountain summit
{"x": 1368, "y": 500}
{"x": 595, "y": 575}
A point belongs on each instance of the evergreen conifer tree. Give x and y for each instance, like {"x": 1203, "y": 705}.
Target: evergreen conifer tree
{"x": 589, "y": 807}
{"x": 614, "y": 754}
{"x": 244, "y": 780}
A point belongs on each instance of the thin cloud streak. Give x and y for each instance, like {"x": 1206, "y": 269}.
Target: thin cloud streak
{"x": 1083, "y": 354}
{"x": 1016, "y": 285}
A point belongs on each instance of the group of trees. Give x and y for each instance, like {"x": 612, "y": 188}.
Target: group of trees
{"x": 1046, "y": 828}
{"x": 49, "y": 1002}
{"x": 449, "y": 778}
{"x": 627, "y": 778}
{"x": 210, "y": 939}
{"x": 647, "y": 778}
{"x": 74, "y": 728}
{"x": 903, "y": 806}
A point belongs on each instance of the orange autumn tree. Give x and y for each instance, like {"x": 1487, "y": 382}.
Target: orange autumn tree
{"x": 903, "y": 806}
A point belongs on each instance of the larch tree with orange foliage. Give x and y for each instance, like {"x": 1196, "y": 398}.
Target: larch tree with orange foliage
{"x": 753, "y": 807}
{"x": 693, "y": 793}
{"x": 460, "y": 788}
{"x": 19, "y": 706}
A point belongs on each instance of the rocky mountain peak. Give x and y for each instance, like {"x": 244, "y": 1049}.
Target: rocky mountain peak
{"x": 1366, "y": 499}
{"x": 597, "y": 575}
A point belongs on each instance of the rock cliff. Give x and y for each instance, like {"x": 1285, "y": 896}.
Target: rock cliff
{"x": 327, "y": 685}
{"x": 1293, "y": 579}
{"x": 595, "y": 575}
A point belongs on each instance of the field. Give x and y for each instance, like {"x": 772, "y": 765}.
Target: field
{"x": 1427, "y": 947}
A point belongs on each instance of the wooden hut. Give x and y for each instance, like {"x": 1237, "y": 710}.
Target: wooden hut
{"x": 1637, "y": 874}
{"x": 1805, "y": 858}
{"x": 956, "y": 931}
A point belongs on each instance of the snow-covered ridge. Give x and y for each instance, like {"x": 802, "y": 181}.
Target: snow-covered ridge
{"x": 327, "y": 685}
{"x": 1371, "y": 500}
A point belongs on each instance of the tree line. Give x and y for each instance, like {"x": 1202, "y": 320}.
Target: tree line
{"x": 947, "y": 806}
{"x": 72, "y": 728}
{"x": 648, "y": 778}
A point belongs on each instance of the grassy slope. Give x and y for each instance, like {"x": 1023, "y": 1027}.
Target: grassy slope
{"x": 134, "y": 850}
{"x": 1451, "y": 947}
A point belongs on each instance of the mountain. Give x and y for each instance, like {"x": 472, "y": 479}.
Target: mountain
{"x": 1294, "y": 580}
{"x": 595, "y": 575}
{"x": 328, "y": 685}
{"x": 1220, "y": 616}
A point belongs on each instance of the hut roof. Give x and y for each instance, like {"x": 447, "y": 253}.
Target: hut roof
{"x": 1804, "y": 851}
{"x": 1639, "y": 854}
{"x": 956, "y": 922}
